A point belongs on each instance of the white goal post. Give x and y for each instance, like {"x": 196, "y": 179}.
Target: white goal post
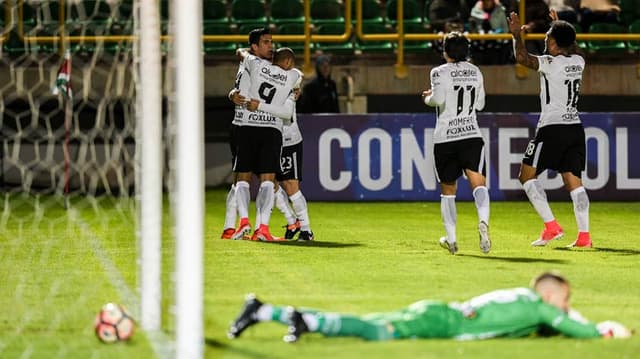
{"x": 187, "y": 15}
{"x": 186, "y": 56}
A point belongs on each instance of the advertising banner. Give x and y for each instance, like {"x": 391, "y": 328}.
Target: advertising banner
{"x": 389, "y": 157}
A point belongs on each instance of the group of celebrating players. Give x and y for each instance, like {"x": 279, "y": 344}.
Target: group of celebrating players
{"x": 266, "y": 140}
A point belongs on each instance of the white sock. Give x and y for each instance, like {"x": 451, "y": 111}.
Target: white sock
{"x": 230, "y": 215}
{"x": 258, "y": 219}
{"x": 538, "y": 199}
{"x": 449, "y": 216}
{"x": 481, "y": 197}
{"x": 282, "y": 202}
{"x": 264, "y": 201}
{"x": 264, "y": 313}
{"x": 300, "y": 206}
{"x": 581, "y": 208}
{"x": 242, "y": 198}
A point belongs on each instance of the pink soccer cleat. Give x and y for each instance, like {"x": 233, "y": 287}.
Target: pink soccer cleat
{"x": 243, "y": 229}
{"x": 583, "y": 241}
{"x": 263, "y": 234}
{"x": 228, "y": 233}
{"x": 552, "y": 230}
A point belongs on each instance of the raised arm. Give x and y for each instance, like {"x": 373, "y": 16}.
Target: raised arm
{"x": 523, "y": 57}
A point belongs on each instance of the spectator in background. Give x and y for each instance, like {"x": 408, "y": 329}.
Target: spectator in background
{"x": 489, "y": 16}
{"x": 567, "y": 10}
{"x": 537, "y": 22}
{"x": 320, "y": 95}
{"x": 448, "y": 15}
{"x": 593, "y": 11}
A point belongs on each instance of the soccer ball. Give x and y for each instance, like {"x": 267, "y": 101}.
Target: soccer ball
{"x": 113, "y": 323}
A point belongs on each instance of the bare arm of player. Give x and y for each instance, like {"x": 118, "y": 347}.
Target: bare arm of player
{"x": 236, "y": 97}
{"x": 284, "y": 111}
{"x": 523, "y": 57}
{"x": 242, "y": 53}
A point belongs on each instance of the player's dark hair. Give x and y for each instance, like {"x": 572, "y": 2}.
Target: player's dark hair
{"x": 456, "y": 46}
{"x": 256, "y": 34}
{"x": 563, "y": 32}
{"x": 554, "y": 277}
{"x": 282, "y": 54}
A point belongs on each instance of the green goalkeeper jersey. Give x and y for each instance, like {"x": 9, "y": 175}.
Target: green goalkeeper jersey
{"x": 502, "y": 313}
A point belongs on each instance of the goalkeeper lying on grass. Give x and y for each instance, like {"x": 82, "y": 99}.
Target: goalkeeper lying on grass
{"x": 516, "y": 312}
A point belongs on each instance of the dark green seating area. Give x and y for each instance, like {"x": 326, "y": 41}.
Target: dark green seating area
{"x": 89, "y": 18}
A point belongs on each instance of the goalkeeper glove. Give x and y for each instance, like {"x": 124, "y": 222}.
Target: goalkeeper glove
{"x": 611, "y": 329}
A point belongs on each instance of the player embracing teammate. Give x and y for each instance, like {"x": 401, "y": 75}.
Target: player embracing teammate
{"x": 265, "y": 96}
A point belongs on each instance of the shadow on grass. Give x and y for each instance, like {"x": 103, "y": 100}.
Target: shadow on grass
{"x": 318, "y": 244}
{"x": 622, "y": 251}
{"x": 213, "y": 343}
{"x": 517, "y": 259}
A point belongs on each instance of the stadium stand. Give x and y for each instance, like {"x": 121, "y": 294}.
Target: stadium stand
{"x": 216, "y": 48}
{"x": 214, "y": 12}
{"x": 294, "y": 28}
{"x": 374, "y": 46}
{"x": 629, "y": 11}
{"x": 287, "y": 11}
{"x": 411, "y": 12}
{"x": 371, "y": 12}
{"x": 244, "y": 12}
{"x": 326, "y": 11}
{"x": 416, "y": 46}
{"x": 610, "y": 46}
{"x": 334, "y": 28}
{"x": 634, "y": 28}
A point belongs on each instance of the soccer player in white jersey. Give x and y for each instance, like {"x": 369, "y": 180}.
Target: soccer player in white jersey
{"x": 457, "y": 91}
{"x": 261, "y": 46}
{"x": 289, "y": 179}
{"x": 559, "y": 143}
{"x": 260, "y": 137}
{"x": 291, "y": 168}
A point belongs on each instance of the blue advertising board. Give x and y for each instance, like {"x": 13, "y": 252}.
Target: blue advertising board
{"x": 380, "y": 157}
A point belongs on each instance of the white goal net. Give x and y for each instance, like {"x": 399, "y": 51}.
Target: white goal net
{"x": 72, "y": 177}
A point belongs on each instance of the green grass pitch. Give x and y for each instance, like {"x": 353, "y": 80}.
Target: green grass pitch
{"x": 57, "y": 268}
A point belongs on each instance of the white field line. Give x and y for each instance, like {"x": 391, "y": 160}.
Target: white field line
{"x": 162, "y": 344}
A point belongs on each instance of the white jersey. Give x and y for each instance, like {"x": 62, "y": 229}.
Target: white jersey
{"x": 242, "y": 84}
{"x": 291, "y": 134}
{"x": 457, "y": 92}
{"x": 273, "y": 86}
{"x": 560, "y": 79}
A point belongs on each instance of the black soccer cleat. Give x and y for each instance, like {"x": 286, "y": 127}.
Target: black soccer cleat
{"x": 297, "y": 326}
{"x": 292, "y": 230}
{"x": 305, "y": 236}
{"x": 246, "y": 318}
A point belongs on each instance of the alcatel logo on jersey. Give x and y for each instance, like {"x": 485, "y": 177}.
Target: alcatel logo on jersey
{"x": 463, "y": 73}
{"x": 279, "y": 77}
{"x": 573, "y": 68}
